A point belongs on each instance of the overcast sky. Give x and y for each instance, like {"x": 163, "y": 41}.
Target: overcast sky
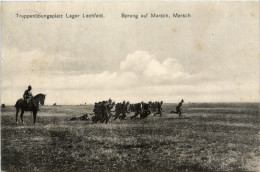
{"x": 210, "y": 57}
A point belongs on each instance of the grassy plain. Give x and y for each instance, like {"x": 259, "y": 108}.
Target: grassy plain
{"x": 209, "y": 137}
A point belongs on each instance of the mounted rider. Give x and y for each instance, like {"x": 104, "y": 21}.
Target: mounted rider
{"x": 27, "y": 96}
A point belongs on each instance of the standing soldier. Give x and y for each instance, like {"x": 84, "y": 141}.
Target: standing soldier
{"x": 27, "y": 97}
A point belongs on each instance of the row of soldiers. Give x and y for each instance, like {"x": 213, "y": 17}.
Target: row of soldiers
{"x": 145, "y": 109}
{"x": 156, "y": 107}
{"x": 121, "y": 110}
{"x": 102, "y": 110}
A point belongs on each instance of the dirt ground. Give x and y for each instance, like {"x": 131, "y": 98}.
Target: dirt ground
{"x": 208, "y": 137}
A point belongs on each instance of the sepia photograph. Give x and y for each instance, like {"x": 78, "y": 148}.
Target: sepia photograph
{"x": 130, "y": 86}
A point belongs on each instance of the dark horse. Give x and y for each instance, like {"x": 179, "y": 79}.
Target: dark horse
{"x": 21, "y": 104}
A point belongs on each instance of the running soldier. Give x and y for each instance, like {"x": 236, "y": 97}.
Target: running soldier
{"x": 137, "y": 109}
{"x": 159, "y": 108}
{"x": 124, "y": 110}
{"x": 178, "y": 108}
{"x": 118, "y": 110}
{"x": 121, "y": 110}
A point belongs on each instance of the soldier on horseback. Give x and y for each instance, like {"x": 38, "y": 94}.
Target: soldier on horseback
{"x": 28, "y": 97}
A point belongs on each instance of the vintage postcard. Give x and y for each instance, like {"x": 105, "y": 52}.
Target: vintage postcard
{"x": 130, "y": 86}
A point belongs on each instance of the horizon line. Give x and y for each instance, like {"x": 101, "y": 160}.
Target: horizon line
{"x": 135, "y": 102}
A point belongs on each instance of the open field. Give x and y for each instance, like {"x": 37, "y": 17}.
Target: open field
{"x": 209, "y": 137}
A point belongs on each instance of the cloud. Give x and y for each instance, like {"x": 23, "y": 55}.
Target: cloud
{"x": 142, "y": 63}
{"x": 139, "y": 76}
{"x": 147, "y": 67}
{"x": 150, "y": 70}
{"x": 138, "y": 68}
